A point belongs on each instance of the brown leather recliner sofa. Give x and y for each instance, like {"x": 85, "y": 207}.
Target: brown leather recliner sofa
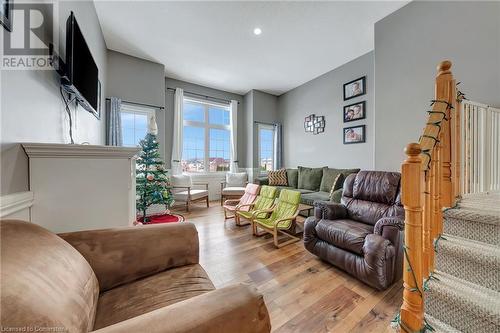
{"x": 363, "y": 234}
{"x": 139, "y": 279}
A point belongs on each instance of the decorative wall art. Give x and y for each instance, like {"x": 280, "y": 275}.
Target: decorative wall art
{"x": 314, "y": 124}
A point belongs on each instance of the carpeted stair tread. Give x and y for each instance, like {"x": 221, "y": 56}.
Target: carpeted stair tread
{"x": 468, "y": 260}
{"x": 438, "y": 326}
{"x": 488, "y": 201}
{"x": 481, "y": 226}
{"x": 463, "y": 305}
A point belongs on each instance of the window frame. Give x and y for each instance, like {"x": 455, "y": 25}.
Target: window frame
{"x": 206, "y": 126}
{"x": 136, "y": 109}
{"x": 259, "y": 128}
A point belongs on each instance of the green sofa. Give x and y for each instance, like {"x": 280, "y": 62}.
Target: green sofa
{"x": 314, "y": 183}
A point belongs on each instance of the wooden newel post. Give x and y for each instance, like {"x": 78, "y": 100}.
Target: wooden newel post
{"x": 446, "y": 90}
{"x": 412, "y": 311}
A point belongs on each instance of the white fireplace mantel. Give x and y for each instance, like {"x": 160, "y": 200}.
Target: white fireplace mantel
{"x": 81, "y": 187}
{"x": 50, "y": 150}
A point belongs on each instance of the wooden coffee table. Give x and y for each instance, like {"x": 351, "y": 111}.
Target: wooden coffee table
{"x": 307, "y": 208}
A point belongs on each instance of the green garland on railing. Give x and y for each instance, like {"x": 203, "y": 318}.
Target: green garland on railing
{"x": 460, "y": 95}
{"x": 397, "y": 320}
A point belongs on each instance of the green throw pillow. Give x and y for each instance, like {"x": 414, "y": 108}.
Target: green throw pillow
{"x": 310, "y": 178}
{"x": 293, "y": 177}
{"x": 329, "y": 176}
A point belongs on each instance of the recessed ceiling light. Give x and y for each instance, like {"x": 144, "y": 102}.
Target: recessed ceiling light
{"x": 257, "y": 31}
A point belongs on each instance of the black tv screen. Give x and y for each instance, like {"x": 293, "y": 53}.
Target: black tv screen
{"x": 82, "y": 71}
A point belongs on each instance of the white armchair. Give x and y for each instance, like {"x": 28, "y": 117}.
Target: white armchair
{"x": 184, "y": 190}
{"x": 233, "y": 187}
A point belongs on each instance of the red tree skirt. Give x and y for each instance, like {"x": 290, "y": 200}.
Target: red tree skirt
{"x": 161, "y": 218}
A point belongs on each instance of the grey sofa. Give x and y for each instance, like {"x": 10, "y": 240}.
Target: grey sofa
{"x": 314, "y": 183}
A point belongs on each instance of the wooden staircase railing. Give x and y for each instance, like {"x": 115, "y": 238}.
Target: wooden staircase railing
{"x": 430, "y": 181}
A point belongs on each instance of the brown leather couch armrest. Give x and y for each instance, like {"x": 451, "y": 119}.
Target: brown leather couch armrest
{"x": 379, "y": 253}
{"x": 327, "y": 210}
{"x": 310, "y": 237}
{"x": 389, "y": 228}
{"x": 237, "y": 308}
{"x": 121, "y": 255}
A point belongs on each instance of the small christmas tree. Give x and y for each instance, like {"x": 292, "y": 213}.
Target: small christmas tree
{"x": 151, "y": 177}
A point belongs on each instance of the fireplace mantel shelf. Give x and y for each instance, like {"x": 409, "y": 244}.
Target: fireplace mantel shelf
{"x": 49, "y": 150}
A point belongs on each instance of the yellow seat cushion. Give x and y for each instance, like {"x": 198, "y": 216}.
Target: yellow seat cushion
{"x": 270, "y": 223}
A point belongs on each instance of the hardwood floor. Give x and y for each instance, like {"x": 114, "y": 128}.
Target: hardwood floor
{"x": 303, "y": 294}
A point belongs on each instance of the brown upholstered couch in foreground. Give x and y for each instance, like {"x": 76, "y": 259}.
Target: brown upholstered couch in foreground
{"x": 363, "y": 235}
{"x": 139, "y": 279}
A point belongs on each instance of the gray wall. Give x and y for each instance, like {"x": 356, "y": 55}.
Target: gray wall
{"x": 135, "y": 80}
{"x": 247, "y": 132}
{"x": 264, "y": 109}
{"x": 324, "y": 96}
{"x": 259, "y": 107}
{"x": 408, "y": 46}
{"x": 140, "y": 81}
{"x": 31, "y": 106}
{"x": 194, "y": 88}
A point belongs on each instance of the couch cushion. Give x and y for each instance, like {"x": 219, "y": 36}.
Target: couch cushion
{"x": 292, "y": 176}
{"x": 371, "y": 195}
{"x": 330, "y": 176}
{"x": 310, "y": 178}
{"x": 151, "y": 293}
{"x": 309, "y": 198}
{"x": 181, "y": 180}
{"x": 233, "y": 191}
{"x": 45, "y": 281}
{"x": 236, "y": 179}
{"x": 338, "y": 183}
{"x": 345, "y": 234}
{"x": 376, "y": 186}
{"x": 195, "y": 194}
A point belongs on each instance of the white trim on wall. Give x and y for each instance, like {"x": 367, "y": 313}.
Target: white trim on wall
{"x": 51, "y": 150}
{"x": 15, "y": 203}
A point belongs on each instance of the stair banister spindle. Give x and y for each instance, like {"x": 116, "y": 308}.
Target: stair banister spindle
{"x": 412, "y": 199}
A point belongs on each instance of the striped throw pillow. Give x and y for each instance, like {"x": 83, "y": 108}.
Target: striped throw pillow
{"x": 278, "y": 178}
{"x": 338, "y": 183}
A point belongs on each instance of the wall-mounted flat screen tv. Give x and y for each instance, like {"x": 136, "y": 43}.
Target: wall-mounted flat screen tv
{"x": 81, "y": 70}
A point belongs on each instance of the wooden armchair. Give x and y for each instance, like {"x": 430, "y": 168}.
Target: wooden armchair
{"x": 281, "y": 220}
{"x": 233, "y": 187}
{"x": 184, "y": 191}
{"x": 249, "y": 197}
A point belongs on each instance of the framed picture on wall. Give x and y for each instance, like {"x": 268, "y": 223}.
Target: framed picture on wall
{"x": 354, "y": 134}
{"x": 355, "y": 111}
{"x": 6, "y": 14}
{"x": 355, "y": 88}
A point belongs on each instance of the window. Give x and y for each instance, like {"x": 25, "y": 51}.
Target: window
{"x": 206, "y": 136}
{"x": 266, "y": 147}
{"x": 135, "y": 121}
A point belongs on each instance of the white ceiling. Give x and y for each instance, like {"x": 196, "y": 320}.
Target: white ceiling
{"x": 212, "y": 43}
